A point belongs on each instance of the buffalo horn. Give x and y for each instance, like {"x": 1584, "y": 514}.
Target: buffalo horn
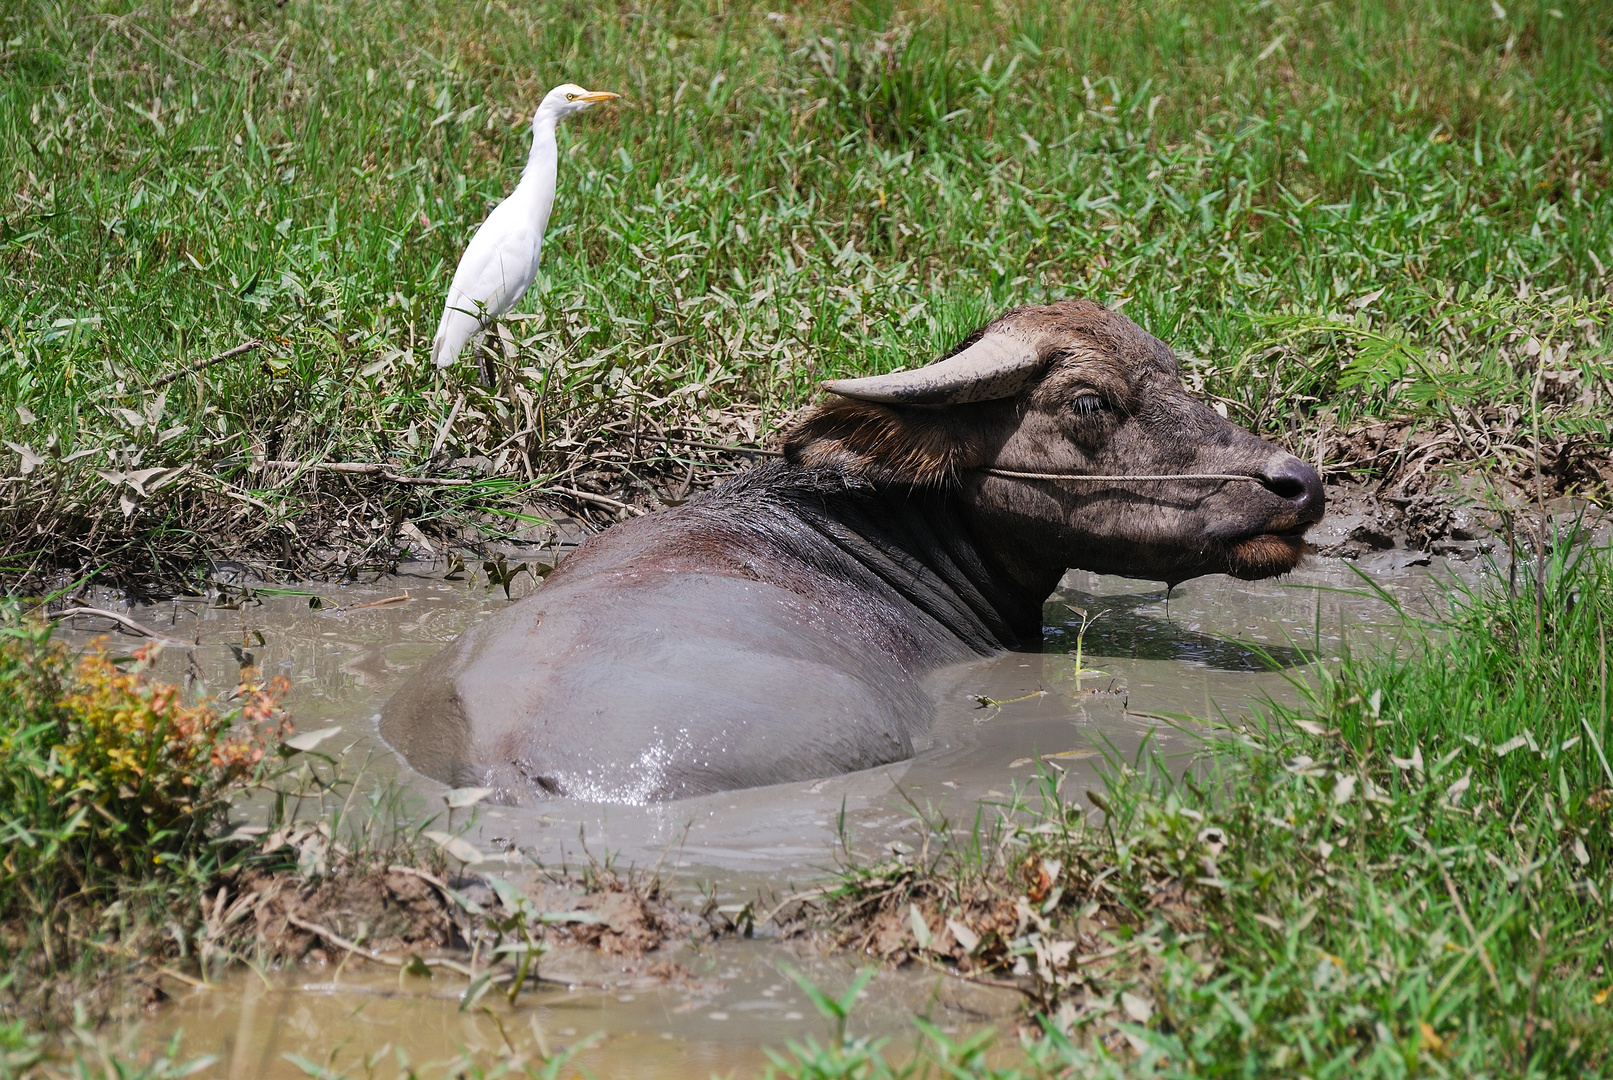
{"x": 996, "y": 366}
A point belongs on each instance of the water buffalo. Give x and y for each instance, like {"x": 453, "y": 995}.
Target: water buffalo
{"x": 776, "y": 628}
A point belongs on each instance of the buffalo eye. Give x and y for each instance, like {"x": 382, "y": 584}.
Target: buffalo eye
{"x": 1088, "y": 405}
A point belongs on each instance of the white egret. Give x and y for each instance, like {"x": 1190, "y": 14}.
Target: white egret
{"x": 502, "y": 258}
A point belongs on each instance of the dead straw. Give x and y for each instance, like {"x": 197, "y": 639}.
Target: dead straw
{"x": 202, "y": 365}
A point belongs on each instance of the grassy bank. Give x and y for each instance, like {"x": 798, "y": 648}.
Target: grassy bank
{"x": 1380, "y": 232}
{"x": 1405, "y": 875}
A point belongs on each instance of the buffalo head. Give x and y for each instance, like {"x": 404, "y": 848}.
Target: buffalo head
{"x": 1072, "y": 388}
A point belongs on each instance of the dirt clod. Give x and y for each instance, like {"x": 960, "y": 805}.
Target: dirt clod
{"x": 384, "y": 910}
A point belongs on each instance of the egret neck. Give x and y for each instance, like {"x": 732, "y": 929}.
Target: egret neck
{"x": 539, "y": 178}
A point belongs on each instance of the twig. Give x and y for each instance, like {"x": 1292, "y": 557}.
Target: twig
{"x": 380, "y": 991}
{"x": 719, "y": 446}
{"x": 430, "y": 961}
{"x": 980, "y": 980}
{"x": 810, "y": 894}
{"x": 122, "y": 620}
{"x": 370, "y": 954}
{"x": 600, "y": 500}
{"x": 368, "y": 468}
{"x": 400, "y": 598}
{"x": 115, "y": 950}
{"x": 447, "y": 425}
{"x": 202, "y": 365}
{"x": 399, "y": 868}
{"x": 182, "y": 977}
{"x": 437, "y": 883}
{"x": 518, "y": 435}
{"x": 1104, "y": 954}
{"x": 230, "y": 491}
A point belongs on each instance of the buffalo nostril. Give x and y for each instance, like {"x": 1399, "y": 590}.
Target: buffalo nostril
{"x": 1300, "y": 484}
{"x": 1286, "y": 486}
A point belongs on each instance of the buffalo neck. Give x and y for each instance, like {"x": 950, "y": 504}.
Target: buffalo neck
{"x": 909, "y": 545}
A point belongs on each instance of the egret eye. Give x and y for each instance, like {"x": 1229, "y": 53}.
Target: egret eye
{"x": 571, "y": 97}
{"x": 1088, "y": 405}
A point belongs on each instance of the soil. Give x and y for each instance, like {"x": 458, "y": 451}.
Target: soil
{"x": 388, "y": 910}
{"x": 1362, "y": 523}
{"x": 904, "y": 916}
{"x": 394, "y": 911}
{"x": 384, "y": 916}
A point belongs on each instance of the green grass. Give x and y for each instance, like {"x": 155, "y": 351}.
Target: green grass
{"x": 1407, "y": 874}
{"x": 1339, "y": 213}
{"x": 786, "y": 195}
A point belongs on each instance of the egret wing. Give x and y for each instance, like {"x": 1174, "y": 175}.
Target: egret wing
{"x": 497, "y": 266}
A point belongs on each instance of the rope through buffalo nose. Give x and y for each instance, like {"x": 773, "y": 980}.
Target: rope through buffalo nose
{"x": 1093, "y": 476}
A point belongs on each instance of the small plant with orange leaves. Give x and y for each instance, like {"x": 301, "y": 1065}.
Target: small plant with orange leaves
{"x": 107, "y": 773}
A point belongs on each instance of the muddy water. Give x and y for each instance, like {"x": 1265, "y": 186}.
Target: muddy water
{"x": 1144, "y": 659}
{"x": 717, "y": 1022}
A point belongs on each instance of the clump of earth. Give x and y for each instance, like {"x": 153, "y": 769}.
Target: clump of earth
{"x": 1406, "y": 530}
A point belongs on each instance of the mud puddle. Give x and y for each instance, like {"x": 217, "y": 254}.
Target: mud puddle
{"x": 1144, "y": 658}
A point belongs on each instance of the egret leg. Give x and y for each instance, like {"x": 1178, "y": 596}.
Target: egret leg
{"x": 484, "y": 361}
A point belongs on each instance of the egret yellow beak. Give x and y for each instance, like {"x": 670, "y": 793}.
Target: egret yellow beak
{"x": 597, "y": 95}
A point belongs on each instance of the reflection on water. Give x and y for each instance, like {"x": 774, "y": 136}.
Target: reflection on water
{"x": 1141, "y": 626}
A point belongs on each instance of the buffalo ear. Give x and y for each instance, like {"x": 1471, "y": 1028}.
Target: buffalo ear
{"x": 878, "y": 442}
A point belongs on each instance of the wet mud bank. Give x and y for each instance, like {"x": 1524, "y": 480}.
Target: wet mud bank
{"x": 1406, "y": 529}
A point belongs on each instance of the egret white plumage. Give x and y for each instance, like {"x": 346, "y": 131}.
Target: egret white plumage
{"x": 501, "y": 260}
